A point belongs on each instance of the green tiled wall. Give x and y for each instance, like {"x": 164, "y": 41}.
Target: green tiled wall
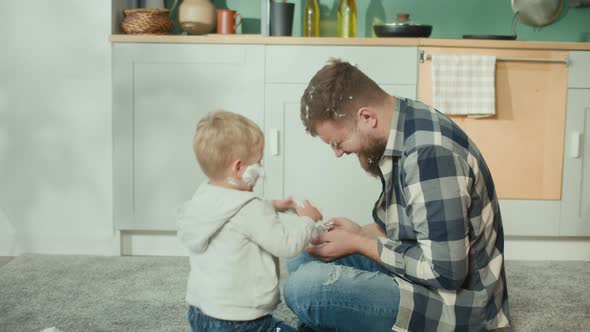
{"x": 449, "y": 18}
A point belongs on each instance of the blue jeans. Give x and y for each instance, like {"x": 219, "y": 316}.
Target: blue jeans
{"x": 353, "y": 293}
{"x": 203, "y": 323}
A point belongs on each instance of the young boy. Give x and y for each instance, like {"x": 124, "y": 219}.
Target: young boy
{"x": 232, "y": 235}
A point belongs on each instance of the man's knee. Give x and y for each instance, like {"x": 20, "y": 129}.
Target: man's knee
{"x": 294, "y": 263}
{"x": 302, "y": 284}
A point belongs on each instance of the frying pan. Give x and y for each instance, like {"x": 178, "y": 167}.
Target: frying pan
{"x": 495, "y": 37}
{"x": 402, "y": 30}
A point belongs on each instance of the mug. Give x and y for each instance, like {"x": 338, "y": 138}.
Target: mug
{"x": 281, "y": 18}
{"x": 226, "y": 19}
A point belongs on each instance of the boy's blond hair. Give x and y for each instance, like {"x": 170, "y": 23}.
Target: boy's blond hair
{"x": 222, "y": 137}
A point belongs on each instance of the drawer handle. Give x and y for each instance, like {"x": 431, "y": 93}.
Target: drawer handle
{"x": 575, "y": 144}
{"x": 274, "y": 142}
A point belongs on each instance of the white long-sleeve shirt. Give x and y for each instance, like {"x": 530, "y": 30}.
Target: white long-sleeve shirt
{"x": 232, "y": 237}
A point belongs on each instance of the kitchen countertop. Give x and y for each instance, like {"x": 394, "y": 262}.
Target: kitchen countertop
{"x": 327, "y": 41}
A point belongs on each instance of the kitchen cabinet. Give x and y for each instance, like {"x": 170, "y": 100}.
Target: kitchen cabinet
{"x": 159, "y": 94}
{"x": 304, "y": 166}
{"x": 537, "y": 147}
{"x": 575, "y": 204}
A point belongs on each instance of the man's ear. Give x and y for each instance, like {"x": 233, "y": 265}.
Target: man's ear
{"x": 367, "y": 117}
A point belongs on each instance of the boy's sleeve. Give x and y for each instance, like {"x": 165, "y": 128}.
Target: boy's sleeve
{"x": 281, "y": 234}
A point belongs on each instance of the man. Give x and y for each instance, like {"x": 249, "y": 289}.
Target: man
{"x": 433, "y": 258}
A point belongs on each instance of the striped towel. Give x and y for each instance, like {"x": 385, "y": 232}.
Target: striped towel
{"x": 464, "y": 84}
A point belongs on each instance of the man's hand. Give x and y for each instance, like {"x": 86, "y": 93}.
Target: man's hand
{"x": 345, "y": 238}
{"x": 334, "y": 244}
{"x": 282, "y": 205}
{"x": 373, "y": 231}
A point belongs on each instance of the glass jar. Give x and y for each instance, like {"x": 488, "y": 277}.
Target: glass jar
{"x": 402, "y": 18}
{"x": 311, "y": 19}
{"x": 347, "y": 18}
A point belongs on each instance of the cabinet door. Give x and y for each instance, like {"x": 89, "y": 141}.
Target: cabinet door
{"x": 160, "y": 92}
{"x": 305, "y": 167}
{"x": 523, "y": 142}
{"x": 575, "y": 211}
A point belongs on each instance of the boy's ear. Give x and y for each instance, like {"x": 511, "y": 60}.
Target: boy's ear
{"x": 236, "y": 166}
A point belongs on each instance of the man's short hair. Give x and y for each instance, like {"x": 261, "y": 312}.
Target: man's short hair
{"x": 335, "y": 93}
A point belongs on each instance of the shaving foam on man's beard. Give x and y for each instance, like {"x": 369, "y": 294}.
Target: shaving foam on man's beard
{"x": 252, "y": 174}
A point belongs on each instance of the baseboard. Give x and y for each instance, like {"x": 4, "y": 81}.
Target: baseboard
{"x": 151, "y": 243}
{"x": 161, "y": 243}
{"x": 547, "y": 249}
{"x": 165, "y": 243}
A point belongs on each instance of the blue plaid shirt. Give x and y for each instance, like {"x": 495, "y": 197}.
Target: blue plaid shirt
{"x": 440, "y": 212}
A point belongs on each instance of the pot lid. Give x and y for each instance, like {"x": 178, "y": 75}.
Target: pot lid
{"x": 537, "y": 13}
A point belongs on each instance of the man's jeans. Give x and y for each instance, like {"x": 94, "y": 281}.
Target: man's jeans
{"x": 353, "y": 293}
{"x": 203, "y": 323}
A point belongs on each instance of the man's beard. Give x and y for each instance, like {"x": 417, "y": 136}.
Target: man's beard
{"x": 371, "y": 153}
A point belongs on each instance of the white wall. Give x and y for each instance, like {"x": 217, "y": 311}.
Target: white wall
{"x": 55, "y": 127}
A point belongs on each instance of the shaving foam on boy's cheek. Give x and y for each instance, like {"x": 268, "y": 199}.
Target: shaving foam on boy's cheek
{"x": 252, "y": 174}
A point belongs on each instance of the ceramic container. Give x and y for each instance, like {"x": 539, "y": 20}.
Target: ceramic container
{"x": 196, "y": 17}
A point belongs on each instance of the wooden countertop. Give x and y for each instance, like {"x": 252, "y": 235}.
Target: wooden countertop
{"x": 327, "y": 41}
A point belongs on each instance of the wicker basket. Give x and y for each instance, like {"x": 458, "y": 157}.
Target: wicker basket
{"x": 147, "y": 22}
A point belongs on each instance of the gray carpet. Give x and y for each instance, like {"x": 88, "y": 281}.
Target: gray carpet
{"x": 81, "y": 293}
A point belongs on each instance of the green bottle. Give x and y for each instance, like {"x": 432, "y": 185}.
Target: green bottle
{"x": 347, "y": 18}
{"x": 311, "y": 19}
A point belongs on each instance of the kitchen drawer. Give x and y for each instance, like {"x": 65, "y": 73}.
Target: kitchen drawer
{"x": 298, "y": 64}
{"x": 579, "y": 70}
{"x": 214, "y": 54}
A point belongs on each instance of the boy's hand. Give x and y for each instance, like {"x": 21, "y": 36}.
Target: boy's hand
{"x": 308, "y": 210}
{"x": 282, "y": 205}
{"x": 346, "y": 225}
